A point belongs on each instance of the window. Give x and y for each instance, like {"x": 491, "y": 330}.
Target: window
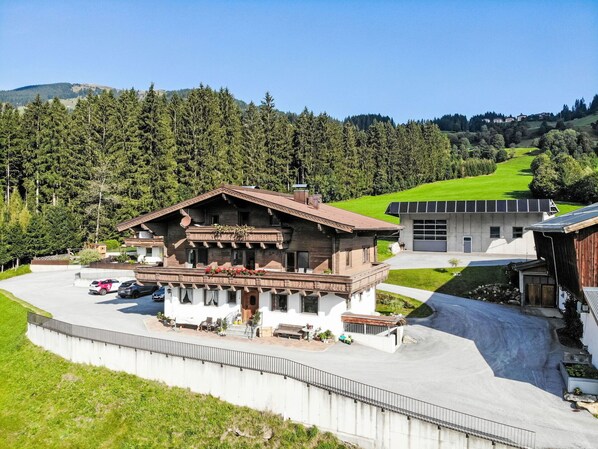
{"x": 279, "y": 303}
{"x": 210, "y": 298}
{"x": 149, "y": 252}
{"x": 302, "y": 261}
{"x": 366, "y": 254}
{"x": 214, "y": 219}
{"x": 197, "y": 257}
{"x": 243, "y": 218}
{"x": 494, "y": 232}
{"x": 429, "y": 230}
{"x": 186, "y": 295}
{"x": 309, "y": 304}
{"x": 245, "y": 257}
{"x": 348, "y": 260}
{"x": 290, "y": 262}
{"x": 232, "y": 297}
{"x": 274, "y": 220}
{"x": 517, "y": 232}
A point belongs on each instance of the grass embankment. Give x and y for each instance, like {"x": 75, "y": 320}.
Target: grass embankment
{"x": 443, "y": 280}
{"x": 509, "y": 181}
{"x": 48, "y": 402}
{"x": 12, "y": 272}
{"x": 388, "y": 303}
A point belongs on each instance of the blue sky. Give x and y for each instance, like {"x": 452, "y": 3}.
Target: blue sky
{"x": 409, "y": 60}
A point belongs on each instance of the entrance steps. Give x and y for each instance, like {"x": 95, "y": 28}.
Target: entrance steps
{"x": 239, "y": 330}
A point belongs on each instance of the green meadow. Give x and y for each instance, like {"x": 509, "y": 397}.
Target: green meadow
{"x": 48, "y": 402}
{"x": 509, "y": 181}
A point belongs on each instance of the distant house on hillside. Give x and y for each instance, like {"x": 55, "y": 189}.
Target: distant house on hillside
{"x": 521, "y": 117}
{"x": 509, "y": 119}
{"x": 234, "y": 251}
{"x": 498, "y": 120}
{"x": 487, "y": 120}
{"x": 474, "y": 226}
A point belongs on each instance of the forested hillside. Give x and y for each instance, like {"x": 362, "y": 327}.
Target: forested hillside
{"x": 70, "y": 176}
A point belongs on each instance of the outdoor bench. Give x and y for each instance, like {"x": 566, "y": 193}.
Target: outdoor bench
{"x": 289, "y": 331}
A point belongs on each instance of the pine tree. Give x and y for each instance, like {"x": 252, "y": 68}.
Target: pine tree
{"x": 32, "y": 126}
{"x": 10, "y": 150}
{"x": 232, "y": 129}
{"x": 157, "y": 175}
{"x": 254, "y": 147}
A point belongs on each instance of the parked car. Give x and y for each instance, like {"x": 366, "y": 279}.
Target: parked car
{"x": 103, "y": 286}
{"x": 159, "y": 294}
{"x": 131, "y": 289}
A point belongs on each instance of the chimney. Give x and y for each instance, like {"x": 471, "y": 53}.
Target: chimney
{"x": 300, "y": 193}
{"x": 314, "y": 201}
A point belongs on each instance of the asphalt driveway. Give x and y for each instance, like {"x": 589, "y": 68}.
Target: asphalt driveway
{"x": 484, "y": 359}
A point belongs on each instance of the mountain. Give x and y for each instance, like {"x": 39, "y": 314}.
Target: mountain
{"x": 69, "y": 93}
{"x": 63, "y": 91}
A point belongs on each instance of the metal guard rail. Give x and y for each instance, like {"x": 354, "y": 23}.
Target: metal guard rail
{"x": 386, "y": 400}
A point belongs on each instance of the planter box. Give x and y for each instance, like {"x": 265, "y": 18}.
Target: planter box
{"x": 587, "y": 386}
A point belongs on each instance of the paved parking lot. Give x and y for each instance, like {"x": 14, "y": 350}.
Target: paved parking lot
{"x": 478, "y": 358}
{"x": 425, "y": 259}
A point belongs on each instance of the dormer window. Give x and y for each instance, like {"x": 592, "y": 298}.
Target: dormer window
{"x": 243, "y": 218}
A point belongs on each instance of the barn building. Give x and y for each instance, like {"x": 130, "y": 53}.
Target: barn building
{"x": 471, "y": 226}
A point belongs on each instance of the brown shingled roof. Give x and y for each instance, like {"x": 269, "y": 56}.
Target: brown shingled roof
{"x": 324, "y": 214}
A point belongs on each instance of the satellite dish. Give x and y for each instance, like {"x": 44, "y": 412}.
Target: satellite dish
{"x": 186, "y": 221}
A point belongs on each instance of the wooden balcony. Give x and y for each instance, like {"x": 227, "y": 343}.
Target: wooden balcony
{"x": 252, "y": 237}
{"x": 156, "y": 241}
{"x": 273, "y": 281}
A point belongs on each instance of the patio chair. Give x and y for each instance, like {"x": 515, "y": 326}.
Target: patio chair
{"x": 207, "y": 324}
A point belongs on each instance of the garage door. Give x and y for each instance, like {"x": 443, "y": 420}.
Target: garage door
{"x": 429, "y": 235}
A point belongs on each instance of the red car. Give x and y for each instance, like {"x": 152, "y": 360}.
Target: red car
{"x": 104, "y": 286}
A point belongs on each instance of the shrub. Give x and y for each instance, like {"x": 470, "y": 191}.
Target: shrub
{"x": 498, "y": 293}
{"x": 123, "y": 258}
{"x": 112, "y": 244}
{"x": 573, "y": 324}
{"x": 585, "y": 371}
{"x": 454, "y": 262}
{"x": 87, "y": 256}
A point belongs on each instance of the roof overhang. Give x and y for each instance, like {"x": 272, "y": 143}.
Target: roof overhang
{"x": 246, "y": 195}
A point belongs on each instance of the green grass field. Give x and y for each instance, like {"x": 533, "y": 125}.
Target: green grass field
{"x": 509, "y": 181}
{"x": 7, "y": 274}
{"x": 48, "y": 402}
{"x": 393, "y": 303}
{"x": 442, "y": 280}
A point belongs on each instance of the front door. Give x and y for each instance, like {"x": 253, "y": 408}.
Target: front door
{"x": 249, "y": 304}
{"x": 466, "y": 244}
{"x": 548, "y": 295}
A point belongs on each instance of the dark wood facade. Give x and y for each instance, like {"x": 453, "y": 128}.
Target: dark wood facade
{"x": 299, "y": 253}
{"x": 572, "y": 258}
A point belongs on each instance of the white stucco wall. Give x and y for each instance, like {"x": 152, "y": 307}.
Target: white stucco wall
{"x": 590, "y": 335}
{"x": 156, "y": 257}
{"x": 330, "y": 309}
{"x": 477, "y": 226}
{"x": 197, "y": 312}
{"x": 368, "y": 426}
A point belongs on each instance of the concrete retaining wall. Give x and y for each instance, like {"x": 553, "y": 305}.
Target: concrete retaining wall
{"x": 42, "y": 268}
{"x": 365, "y": 425}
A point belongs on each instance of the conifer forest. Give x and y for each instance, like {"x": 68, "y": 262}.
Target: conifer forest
{"x": 68, "y": 176}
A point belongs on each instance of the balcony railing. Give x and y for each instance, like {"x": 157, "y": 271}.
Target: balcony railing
{"x": 257, "y": 236}
{"x": 275, "y": 281}
{"x": 153, "y": 242}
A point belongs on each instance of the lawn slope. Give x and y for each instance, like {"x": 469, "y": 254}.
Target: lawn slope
{"x": 48, "y": 402}
{"x": 509, "y": 181}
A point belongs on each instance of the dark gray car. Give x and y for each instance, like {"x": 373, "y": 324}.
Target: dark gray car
{"x": 131, "y": 289}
